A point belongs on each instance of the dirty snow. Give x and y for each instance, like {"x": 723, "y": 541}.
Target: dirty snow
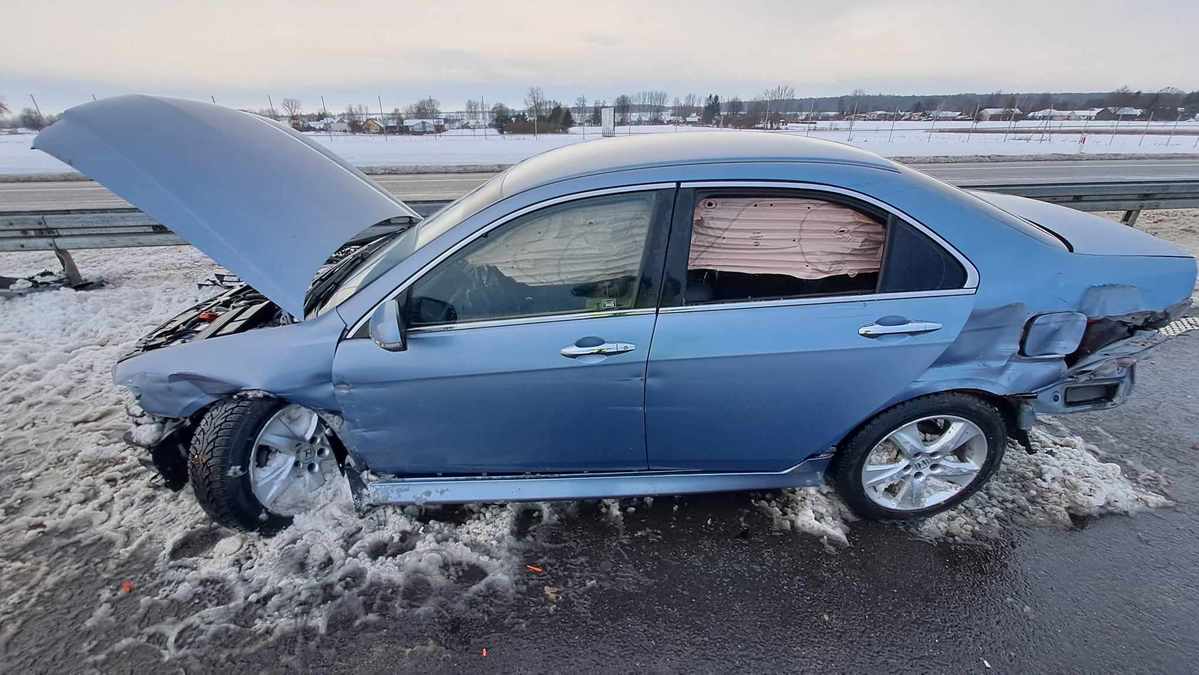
{"x": 70, "y": 484}
{"x": 908, "y": 139}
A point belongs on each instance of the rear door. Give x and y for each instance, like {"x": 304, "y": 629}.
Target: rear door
{"x": 800, "y": 312}
{"x": 526, "y": 350}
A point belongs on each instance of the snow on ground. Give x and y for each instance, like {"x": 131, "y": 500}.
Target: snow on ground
{"x": 70, "y": 484}
{"x": 907, "y": 139}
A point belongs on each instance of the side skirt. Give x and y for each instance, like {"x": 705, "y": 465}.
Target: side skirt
{"x": 377, "y": 492}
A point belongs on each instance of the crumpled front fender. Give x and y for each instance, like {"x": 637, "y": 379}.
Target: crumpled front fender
{"x": 293, "y": 362}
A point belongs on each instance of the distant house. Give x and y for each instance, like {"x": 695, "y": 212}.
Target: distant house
{"x": 1119, "y": 113}
{"x": 993, "y": 114}
{"x": 1051, "y": 114}
{"x": 944, "y": 114}
{"x": 424, "y": 126}
{"x": 334, "y": 125}
{"x": 373, "y": 126}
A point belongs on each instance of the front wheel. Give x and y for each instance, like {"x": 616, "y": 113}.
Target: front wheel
{"x": 255, "y": 463}
{"x": 921, "y": 457}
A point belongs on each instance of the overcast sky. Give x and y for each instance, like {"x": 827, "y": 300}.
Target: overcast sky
{"x": 349, "y": 52}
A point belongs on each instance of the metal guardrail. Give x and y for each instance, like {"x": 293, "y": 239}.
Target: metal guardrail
{"x": 62, "y": 231}
{"x": 1131, "y": 197}
{"x": 66, "y": 230}
{"x": 1110, "y": 196}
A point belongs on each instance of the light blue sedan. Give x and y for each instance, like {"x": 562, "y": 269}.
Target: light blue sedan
{"x": 659, "y": 314}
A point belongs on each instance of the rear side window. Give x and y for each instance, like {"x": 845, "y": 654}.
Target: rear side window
{"x": 917, "y": 263}
{"x": 759, "y": 247}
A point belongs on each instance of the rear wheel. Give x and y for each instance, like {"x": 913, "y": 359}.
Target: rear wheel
{"x": 255, "y": 463}
{"x": 921, "y": 457}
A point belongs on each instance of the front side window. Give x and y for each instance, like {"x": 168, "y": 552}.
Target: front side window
{"x": 755, "y": 247}
{"x": 582, "y": 256}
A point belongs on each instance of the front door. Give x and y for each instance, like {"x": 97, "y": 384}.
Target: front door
{"x": 527, "y": 349}
{"x": 802, "y": 313}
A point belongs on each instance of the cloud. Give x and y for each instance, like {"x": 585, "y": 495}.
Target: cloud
{"x": 441, "y": 49}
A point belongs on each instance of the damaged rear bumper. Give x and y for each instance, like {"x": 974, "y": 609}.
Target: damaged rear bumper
{"x": 1102, "y": 380}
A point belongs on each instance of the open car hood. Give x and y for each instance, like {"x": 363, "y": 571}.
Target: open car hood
{"x": 259, "y": 198}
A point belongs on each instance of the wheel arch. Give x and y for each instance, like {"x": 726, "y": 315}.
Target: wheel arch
{"x": 1016, "y": 421}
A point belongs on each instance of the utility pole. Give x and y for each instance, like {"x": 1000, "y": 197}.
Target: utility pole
{"x": 35, "y": 106}
{"x": 1146, "y": 131}
{"x": 382, "y": 119}
{"x": 272, "y": 104}
{"x": 324, "y": 119}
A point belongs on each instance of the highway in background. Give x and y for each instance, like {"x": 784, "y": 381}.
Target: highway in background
{"x": 27, "y": 196}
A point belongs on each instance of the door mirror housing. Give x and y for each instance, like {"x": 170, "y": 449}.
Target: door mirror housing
{"x": 388, "y": 328}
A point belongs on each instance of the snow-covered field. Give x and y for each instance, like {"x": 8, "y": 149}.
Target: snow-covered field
{"x": 907, "y": 139}
{"x": 70, "y": 485}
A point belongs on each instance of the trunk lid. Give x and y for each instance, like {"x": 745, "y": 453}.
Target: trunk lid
{"x": 1086, "y": 234}
{"x": 259, "y": 198}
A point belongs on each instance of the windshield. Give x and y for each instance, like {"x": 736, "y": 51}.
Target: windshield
{"x": 414, "y": 239}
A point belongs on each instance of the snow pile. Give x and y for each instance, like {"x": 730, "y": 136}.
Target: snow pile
{"x": 1063, "y": 481}
{"x": 331, "y": 570}
{"x": 815, "y": 511}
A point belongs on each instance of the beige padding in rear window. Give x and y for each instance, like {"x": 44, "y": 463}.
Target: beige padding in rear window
{"x": 802, "y": 238}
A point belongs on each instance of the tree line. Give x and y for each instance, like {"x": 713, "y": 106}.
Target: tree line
{"x": 540, "y": 114}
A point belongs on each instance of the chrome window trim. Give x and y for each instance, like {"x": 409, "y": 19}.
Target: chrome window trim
{"x": 520, "y": 321}
{"x": 561, "y": 199}
{"x": 822, "y": 300}
{"x": 971, "y": 270}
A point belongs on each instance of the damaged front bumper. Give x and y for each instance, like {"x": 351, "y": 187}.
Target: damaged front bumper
{"x": 167, "y": 440}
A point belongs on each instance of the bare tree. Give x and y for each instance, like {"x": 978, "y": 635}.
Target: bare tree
{"x": 426, "y": 108}
{"x": 472, "y": 111}
{"x": 3, "y": 107}
{"x": 623, "y": 105}
{"x": 32, "y": 119}
{"x": 292, "y": 107}
{"x": 581, "y": 108}
{"x": 535, "y": 102}
{"x": 775, "y": 99}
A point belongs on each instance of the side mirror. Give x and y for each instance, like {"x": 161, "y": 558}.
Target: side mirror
{"x": 387, "y": 327}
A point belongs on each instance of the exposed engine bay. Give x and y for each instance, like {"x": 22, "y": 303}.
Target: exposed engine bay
{"x": 233, "y": 311}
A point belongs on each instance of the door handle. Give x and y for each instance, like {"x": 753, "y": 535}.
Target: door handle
{"x": 603, "y": 349}
{"x": 875, "y": 329}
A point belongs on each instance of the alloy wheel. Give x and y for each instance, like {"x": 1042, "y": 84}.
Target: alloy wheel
{"x": 292, "y": 461}
{"x": 924, "y": 463}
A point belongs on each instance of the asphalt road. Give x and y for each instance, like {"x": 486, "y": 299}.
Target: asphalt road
{"x": 89, "y": 195}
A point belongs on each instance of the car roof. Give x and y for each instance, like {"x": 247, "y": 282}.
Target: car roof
{"x": 648, "y": 150}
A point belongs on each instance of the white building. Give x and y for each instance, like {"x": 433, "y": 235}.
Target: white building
{"x": 1051, "y": 114}
{"x": 989, "y": 114}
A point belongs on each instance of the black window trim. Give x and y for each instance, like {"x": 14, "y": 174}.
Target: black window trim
{"x": 674, "y": 282}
